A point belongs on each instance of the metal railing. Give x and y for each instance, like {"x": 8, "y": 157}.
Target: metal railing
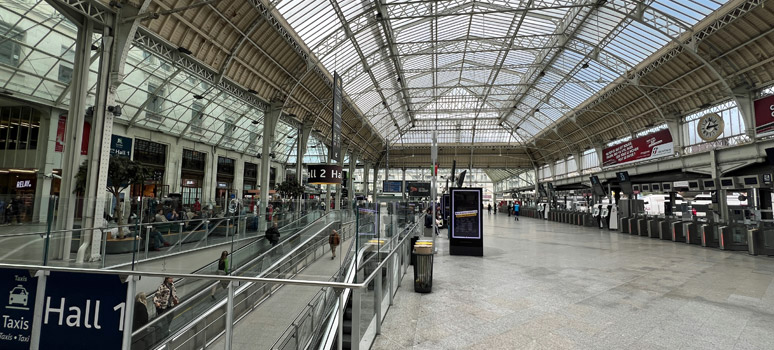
{"x": 370, "y": 298}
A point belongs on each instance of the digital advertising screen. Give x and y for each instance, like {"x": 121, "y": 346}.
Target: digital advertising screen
{"x": 466, "y": 213}
{"x": 418, "y": 189}
{"x": 392, "y": 186}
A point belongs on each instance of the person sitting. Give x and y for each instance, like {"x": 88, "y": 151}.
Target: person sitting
{"x": 160, "y": 216}
{"x": 197, "y": 206}
{"x": 173, "y": 216}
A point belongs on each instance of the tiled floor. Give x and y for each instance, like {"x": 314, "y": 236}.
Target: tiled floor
{"x": 546, "y": 285}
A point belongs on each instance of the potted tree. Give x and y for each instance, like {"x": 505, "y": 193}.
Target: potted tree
{"x": 122, "y": 173}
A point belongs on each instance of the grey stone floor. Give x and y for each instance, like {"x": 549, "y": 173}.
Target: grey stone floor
{"x": 546, "y": 285}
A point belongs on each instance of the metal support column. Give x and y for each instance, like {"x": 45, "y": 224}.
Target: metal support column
{"x": 131, "y": 288}
{"x": 378, "y": 301}
{"x": 354, "y": 338}
{"x": 269, "y": 128}
{"x": 230, "y": 316}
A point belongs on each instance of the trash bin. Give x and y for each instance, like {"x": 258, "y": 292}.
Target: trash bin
{"x": 423, "y": 273}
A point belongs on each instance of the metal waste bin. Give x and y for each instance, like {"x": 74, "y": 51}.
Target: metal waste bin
{"x": 423, "y": 273}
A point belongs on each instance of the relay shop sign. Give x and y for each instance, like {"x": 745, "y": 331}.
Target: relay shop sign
{"x": 652, "y": 146}
{"x": 764, "y": 116}
{"x": 324, "y": 174}
{"x": 17, "y": 300}
{"x": 83, "y": 311}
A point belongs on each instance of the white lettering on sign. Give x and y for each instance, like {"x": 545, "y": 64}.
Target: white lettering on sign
{"x": 16, "y": 324}
{"x": 23, "y": 184}
{"x": 74, "y": 318}
{"x": 771, "y": 108}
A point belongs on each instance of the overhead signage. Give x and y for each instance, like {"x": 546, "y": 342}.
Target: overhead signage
{"x": 651, "y": 146}
{"x": 336, "y": 120}
{"x": 81, "y": 310}
{"x": 764, "y": 116}
{"x": 418, "y": 189}
{"x": 392, "y": 186}
{"x": 121, "y": 146}
{"x": 17, "y": 299}
{"x": 324, "y": 174}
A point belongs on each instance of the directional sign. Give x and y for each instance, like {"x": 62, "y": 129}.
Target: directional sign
{"x": 83, "y": 311}
{"x": 17, "y": 301}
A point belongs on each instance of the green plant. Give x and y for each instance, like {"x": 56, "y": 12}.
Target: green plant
{"x": 122, "y": 173}
{"x": 290, "y": 188}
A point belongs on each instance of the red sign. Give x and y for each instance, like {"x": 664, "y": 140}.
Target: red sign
{"x": 655, "y": 145}
{"x": 764, "y": 116}
{"x": 60, "y": 135}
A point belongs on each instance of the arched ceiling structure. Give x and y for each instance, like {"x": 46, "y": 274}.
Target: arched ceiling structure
{"x": 505, "y": 83}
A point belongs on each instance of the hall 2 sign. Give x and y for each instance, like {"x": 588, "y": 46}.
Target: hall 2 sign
{"x": 764, "y": 116}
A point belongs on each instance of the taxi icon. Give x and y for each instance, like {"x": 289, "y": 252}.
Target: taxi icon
{"x": 18, "y": 296}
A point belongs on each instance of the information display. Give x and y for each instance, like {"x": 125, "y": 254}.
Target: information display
{"x": 17, "y": 288}
{"x": 324, "y": 174}
{"x": 466, "y": 222}
{"x": 391, "y": 186}
{"x": 418, "y": 189}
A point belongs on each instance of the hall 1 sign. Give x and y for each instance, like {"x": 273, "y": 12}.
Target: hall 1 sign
{"x": 81, "y": 310}
{"x": 121, "y": 146}
{"x": 764, "y": 116}
{"x": 324, "y": 174}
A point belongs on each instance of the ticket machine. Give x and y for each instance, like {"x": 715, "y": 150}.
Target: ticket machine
{"x": 613, "y": 217}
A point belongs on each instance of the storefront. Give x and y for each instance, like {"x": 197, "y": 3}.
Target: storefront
{"x": 17, "y": 189}
{"x": 153, "y": 156}
{"x": 192, "y": 175}
{"x": 225, "y": 179}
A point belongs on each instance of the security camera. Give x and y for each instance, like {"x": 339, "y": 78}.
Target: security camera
{"x": 116, "y": 110}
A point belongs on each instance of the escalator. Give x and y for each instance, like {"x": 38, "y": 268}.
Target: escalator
{"x": 198, "y": 307}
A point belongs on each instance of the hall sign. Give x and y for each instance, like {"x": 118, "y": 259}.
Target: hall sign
{"x": 120, "y": 146}
{"x": 656, "y": 145}
{"x": 324, "y": 174}
{"x": 764, "y": 116}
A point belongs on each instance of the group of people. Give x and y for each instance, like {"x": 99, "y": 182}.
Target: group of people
{"x": 12, "y": 209}
{"x": 513, "y": 209}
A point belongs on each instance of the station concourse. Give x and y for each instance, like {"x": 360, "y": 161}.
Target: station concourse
{"x": 322, "y": 174}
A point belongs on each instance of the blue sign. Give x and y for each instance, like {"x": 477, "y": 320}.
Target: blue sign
{"x": 121, "y": 146}
{"x": 81, "y": 310}
{"x": 17, "y": 300}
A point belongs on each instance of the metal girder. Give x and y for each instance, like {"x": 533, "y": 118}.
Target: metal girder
{"x": 100, "y": 14}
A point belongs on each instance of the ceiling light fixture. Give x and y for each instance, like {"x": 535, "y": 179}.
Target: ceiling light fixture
{"x": 198, "y": 97}
{"x": 255, "y": 122}
{"x": 585, "y": 65}
{"x": 184, "y": 51}
{"x": 252, "y": 91}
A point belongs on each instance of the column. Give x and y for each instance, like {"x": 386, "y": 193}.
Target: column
{"x": 239, "y": 179}
{"x": 376, "y": 179}
{"x": 46, "y": 144}
{"x": 271, "y": 117}
{"x": 366, "y": 167}
{"x": 351, "y": 180}
{"x": 403, "y": 178}
{"x": 303, "y": 140}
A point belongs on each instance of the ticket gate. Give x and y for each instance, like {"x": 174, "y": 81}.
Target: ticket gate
{"x": 733, "y": 237}
{"x": 589, "y": 220}
{"x": 624, "y": 225}
{"x": 665, "y": 229}
{"x": 605, "y": 217}
{"x": 642, "y": 226}
{"x": 760, "y": 241}
{"x": 597, "y": 214}
{"x": 654, "y": 227}
{"x": 691, "y": 232}
{"x": 677, "y": 232}
{"x": 633, "y": 228}
{"x": 710, "y": 235}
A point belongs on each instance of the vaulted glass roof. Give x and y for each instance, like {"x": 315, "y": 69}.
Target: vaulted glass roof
{"x": 482, "y": 71}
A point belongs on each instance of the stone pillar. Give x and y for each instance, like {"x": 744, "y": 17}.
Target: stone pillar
{"x": 46, "y": 145}
{"x": 366, "y": 167}
{"x": 239, "y": 179}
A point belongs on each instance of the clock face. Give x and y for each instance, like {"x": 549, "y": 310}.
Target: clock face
{"x": 710, "y": 126}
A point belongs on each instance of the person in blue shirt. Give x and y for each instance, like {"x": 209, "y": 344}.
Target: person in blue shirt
{"x": 516, "y": 210}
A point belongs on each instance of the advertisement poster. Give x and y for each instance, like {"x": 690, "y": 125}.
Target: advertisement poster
{"x": 764, "y": 116}
{"x": 336, "y": 120}
{"x": 418, "y": 189}
{"x": 652, "y": 146}
{"x": 60, "y": 135}
{"x": 466, "y": 221}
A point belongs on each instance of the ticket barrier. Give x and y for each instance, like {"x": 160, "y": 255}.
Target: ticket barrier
{"x": 760, "y": 241}
{"x": 605, "y": 217}
{"x": 691, "y": 232}
{"x": 589, "y": 220}
{"x": 625, "y": 225}
{"x": 677, "y": 232}
{"x": 734, "y": 238}
{"x": 665, "y": 229}
{"x": 654, "y": 227}
{"x": 633, "y": 228}
{"x": 597, "y": 215}
{"x": 642, "y": 226}
{"x": 710, "y": 236}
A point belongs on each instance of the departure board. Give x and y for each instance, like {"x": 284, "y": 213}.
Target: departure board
{"x": 466, "y": 215}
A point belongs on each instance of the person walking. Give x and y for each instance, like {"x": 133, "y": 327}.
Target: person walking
{"x": 140, "y": 319}
{"x": 166, "y": 296}
{"x": 429, "y": 222}
{"x": 510, "y": 208}
{"x": 334, "y": 240}
{"x": 489, "y": 208}
{"x": 516, "y": 210}
{"x": 272, "y": 234}
{"x": 223, "y": 270}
